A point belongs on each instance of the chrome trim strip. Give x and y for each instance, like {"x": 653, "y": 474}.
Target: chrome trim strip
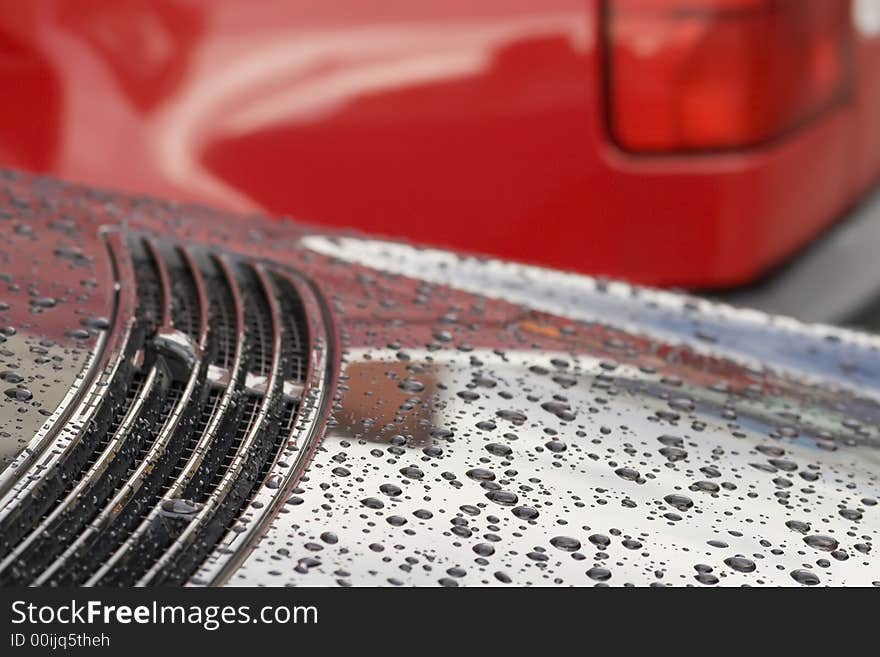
{"x": 218, "y": 416}
{"x": 67, "y": 424}
{"x": 204, "y": 515}
{"x": 158, "y": 448}
{"x": 93, "y": 474}
{"x": 304, "y": 437}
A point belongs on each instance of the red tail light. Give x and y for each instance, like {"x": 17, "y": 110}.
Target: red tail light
{"x": 721, "y": 74}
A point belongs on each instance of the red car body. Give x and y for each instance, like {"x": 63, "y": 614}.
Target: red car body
{"x": 491, "y": 127}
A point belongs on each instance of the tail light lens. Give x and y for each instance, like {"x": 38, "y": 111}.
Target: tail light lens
{"x": 721, "y": 74}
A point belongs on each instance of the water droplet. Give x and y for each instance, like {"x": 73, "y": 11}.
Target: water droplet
{"x": 97, "y": 323}
{"x": 177, "y": 507}
{"x": 484, "y": 549}
{"x": 821, "y": 542}
{"x": 503, "y": 497}
{"x": 481, "y": 474}
{"x": 741, "y": 564}
{"x": 798, "y": 526}
{"x": 19, "y": 394}
{"x": 851, "y": 514}
{"x": 412, "y": 472}
{"x": 806, "y": 577}
{"x": 390, "y": 489}
{"x": 599, "y": 574}
{"x": 565, "y": 543}
{"x": 627, "y": 473}
{"x": 525, "y": 512}
{"x": 497, "y": 449}
{"x": 411, "y": 385}
{"x": 705, "y": 487}
{"x": 680, "y": 502}
{"x": 517, "y": 417}
{"x": 372, "y": 503}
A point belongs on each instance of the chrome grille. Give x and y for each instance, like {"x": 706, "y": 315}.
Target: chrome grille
{"x": 194, "y": 411}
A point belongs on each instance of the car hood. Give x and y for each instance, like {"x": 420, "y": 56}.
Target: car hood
{"x": 478, "y": 422}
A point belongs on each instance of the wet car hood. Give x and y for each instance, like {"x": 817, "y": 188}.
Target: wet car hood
{"x": 490, "y": 423}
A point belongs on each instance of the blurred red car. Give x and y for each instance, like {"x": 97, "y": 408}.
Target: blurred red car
{"x": 673, "y": 142}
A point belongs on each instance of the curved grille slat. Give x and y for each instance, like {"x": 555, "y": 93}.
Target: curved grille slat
{"x": 220, "y": 415}
{"x": 155, "y": 295}
{"x": 262, "y": 320}
{"x": 301, "y": 428}
{"x": 188, "y": 301}
{"x": 238, "y": 478}
{"x": 68, "y": 520}
{"x": 187, "y": 365}
{"x": 294, "y": 353}
{"x": 227, "y": 313}
{"x": 67, "y": 568}
{"x": 40, "y": 489}
{"x": 196, "y": 409}
{"x": 224, "y": 413}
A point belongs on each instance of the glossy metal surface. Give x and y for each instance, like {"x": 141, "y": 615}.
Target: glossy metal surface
{"x": 493, "y": 424}
{"x": 560, "y": 431}
{"x": 475, "y": 126}
{"x": 306, "y": 433}
{"x": 57, "y": 294}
